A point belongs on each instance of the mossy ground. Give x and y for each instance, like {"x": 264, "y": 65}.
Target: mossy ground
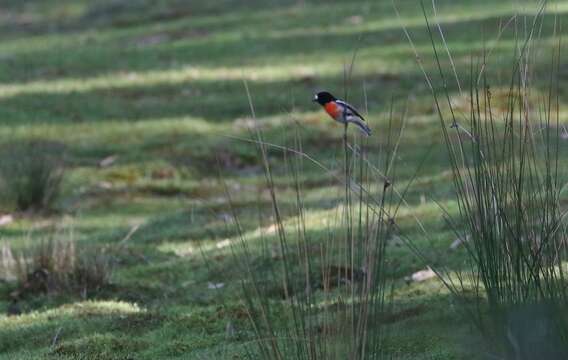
{"x": 159, "y": 86}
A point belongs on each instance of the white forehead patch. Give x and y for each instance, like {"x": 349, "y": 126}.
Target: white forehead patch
{"x": 315, "y": 96}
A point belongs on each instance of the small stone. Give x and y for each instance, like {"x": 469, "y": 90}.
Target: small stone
{"x": 108, "y": 161}
{"x": 6, "y": 219}
{"x": 215, "y": 286}
{"x": 421, "y": 275}
{"x": 223, "y": 244}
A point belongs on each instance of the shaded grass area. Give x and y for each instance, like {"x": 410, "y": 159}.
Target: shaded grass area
{"x": 159, "y": 88}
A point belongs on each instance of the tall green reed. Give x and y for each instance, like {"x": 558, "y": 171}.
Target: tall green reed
{"x": 506, "y": 160}
{"x": 320, "y": 294}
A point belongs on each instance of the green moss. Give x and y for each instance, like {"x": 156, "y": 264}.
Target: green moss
{"x": 100, "y": 346}
{"x": 159, "y": 88}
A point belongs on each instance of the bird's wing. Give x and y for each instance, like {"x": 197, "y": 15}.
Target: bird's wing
{"x": 350, "y": 108}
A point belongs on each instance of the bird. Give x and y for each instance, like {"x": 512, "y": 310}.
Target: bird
{"x": 341, "y": 111}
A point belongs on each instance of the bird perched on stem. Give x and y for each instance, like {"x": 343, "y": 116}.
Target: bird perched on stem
{"x": 341, "y": 111}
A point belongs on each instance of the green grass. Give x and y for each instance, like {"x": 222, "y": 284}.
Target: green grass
{"x": 161, "y": 88}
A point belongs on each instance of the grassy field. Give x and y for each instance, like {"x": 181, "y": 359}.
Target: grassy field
{"x": 158, "y": 86}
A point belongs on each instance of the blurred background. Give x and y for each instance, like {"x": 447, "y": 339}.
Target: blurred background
{"x": 123, "y": 123}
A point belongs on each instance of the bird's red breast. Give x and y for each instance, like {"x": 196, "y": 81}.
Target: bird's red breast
{"x": 333, "y": 109}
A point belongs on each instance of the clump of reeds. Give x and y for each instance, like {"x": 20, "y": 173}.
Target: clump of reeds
{"x": 31, "y": 172}
{"x": 320, "y": 295}
{"x": 55, "y": 266}
{"x": 506, "y": 160}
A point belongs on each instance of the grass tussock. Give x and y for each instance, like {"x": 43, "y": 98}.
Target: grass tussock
{"x": 321, "y": 295}
{"x": 506, "y": 159}
{"x": 31, "y": 172}
{"x": 56, "y": 267}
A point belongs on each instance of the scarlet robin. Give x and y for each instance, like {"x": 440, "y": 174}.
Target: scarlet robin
{"x": 341, "y": 111}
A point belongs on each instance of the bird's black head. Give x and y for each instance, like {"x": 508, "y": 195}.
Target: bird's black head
{"x": 323, "y": 98}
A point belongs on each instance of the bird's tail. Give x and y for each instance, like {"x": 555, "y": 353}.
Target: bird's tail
{"x": 365, "y": 129}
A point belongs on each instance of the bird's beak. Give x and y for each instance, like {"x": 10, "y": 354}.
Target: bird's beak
{"x": 315, "y": 99}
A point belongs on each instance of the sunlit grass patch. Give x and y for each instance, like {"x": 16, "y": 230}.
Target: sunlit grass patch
{"x": 109, "y": 346}
{"x": 183, "y": 75}
{"x": 80, "y": 309}
{"x": 148, "y": 99}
